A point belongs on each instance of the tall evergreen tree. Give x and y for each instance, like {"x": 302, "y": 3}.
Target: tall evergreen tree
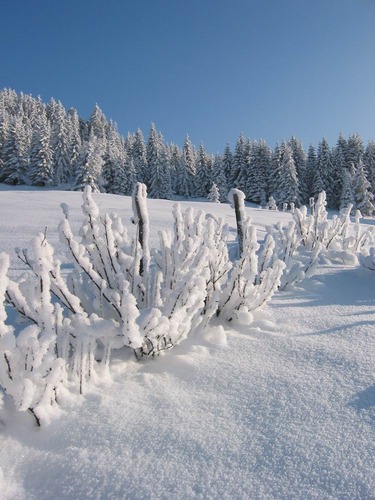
{"x": 347, "y": 196}
{"x": 369, "y": 161}
{"x": 238, "y": 162}
{"x": 60, "y": 145}
{"x": 310, "y": 170}
{"x": 363, "y": 197}
{"x": 300, "y": 162}
{"x": 339, "y": 157}
{"x": 90, "y": 165}
{"x": 227, "y": 160}
{"x": 324, "y": 167}
{"x": 139, "y": 154}
{"x": 15, "y": 154}
{"x": 41, "y": 169}
{"x": 219, "y": 177}
{"x": 186, "y": 177}
{"x": 160, "y": 181}
{"x": 355, "y": 150}
{"x": 203, "y": 174}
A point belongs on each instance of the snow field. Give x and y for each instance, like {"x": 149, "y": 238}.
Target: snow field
{"x": 284, "y": 408}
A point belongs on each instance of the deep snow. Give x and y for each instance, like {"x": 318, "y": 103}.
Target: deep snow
{"x": 284, "y": 408}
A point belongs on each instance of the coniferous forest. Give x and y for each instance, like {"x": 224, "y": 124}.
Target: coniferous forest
{"x": 45, "y": 144}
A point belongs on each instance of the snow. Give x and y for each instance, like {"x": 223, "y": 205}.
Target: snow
{"x": 281, "y": 408}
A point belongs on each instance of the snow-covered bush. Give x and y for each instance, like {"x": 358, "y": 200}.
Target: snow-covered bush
{"x": 121, "y": 294}
{"x": 338, "y": 237}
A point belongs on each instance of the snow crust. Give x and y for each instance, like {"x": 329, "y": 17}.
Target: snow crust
{"x": 282, "y": 408}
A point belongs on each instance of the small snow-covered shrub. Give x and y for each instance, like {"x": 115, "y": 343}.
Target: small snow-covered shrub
{"x": 338, "y": 237}
{"x": 120, "y": 293}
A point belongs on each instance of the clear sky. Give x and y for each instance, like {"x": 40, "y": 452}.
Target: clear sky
{"x": 209, "y": 68}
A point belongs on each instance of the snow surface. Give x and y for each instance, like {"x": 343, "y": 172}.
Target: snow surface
{"x": 284, "y": 408}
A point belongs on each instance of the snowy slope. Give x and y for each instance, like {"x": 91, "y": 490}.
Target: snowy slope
{"x": 282, "y": 409}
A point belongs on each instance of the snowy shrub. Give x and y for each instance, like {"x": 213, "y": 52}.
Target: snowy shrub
{"x": 31, "y": 371}
{"x": 338, "y": 237}
{"x": 120, "y": 293}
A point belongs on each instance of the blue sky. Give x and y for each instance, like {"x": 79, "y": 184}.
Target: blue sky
{"x": 209, "y": 68}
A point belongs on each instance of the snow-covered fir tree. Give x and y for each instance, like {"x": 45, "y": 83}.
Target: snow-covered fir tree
{"x": 310, "y": 170}
{"x": 60, "y": 145}
{"x": 203, "y": 173}
{"x": 90, "y": 165}
{"x": 15, "y": 153}
{"x": 363, "y": 197}
{"x": 139, "y": 154}
{"x": 219, "y": 178}
{"x": 346, "y": 196}
{"x": 74, "y": 140}
{"x": 369, "y": 162}
{"x": 300, "y": 160}
{"x": 324, "y": 169}
{"x": 41, "y": 168}
{"x": 339, "y": 159}
{"x": 238, "y": 160}
{"x": 97, "y": 124}
{"x": 160, "y": 178}
{"x": 214, "y": 194}
{"x": 227, "y": 159}
{"x": 186, "y": 172}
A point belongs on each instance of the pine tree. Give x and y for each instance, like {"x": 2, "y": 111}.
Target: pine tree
{"x": 97, "y": 124}
{"x": 219, "y": 178}
{"x": 186, "y": 177}
{"x": 175, "y": 157}
{"x": 214, "y": 194}
{"x": 60, "y": 145}
{"x": 15, "y": 153}
{"x": 41, "y": 170}
{"x": 160, "y": 181}
{"x": 139, "y": 154}
{"x": 300, "y": 162}
{"x": 340, "y": 166}
{"x": 310, "y": 170}
{"x": 227, "y": 160}
{"x": 74, "y": 141}
{"x": 361, "y": 189}
{"x": 355, "y": 150}
{"x": 203, "y": 174}
{"x": 237, "y": 162}
{"x": 288, "y": 190}
{"x": 324, "y": 166}
{"x": 369, "y": 161}
{"x": 90, "y": 165}
{"x": 276, "y": 172}
{"x": 347, "y": 196}
{"x": 113, "y": 162}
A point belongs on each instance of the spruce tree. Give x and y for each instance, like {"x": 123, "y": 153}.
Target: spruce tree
{"x": 60, "y": 145}
{"x": 300, "y": 162}
{"x": 41, "y": 170}
{"x": 15, "y": 153}
{"x": 369, "y": 161}
{"x": 347, "y": 196}
{"x": 363, "y": 197}
{"x": 237, "y": 162}
{"x": 139, "y": 154}
{"x": 203, "y": 174}
{"x": 214, "y": 194}
{"x": 219, "y": 178}
{"x": 186, "y": 177}
{"x": 310, "y": 170}
{"x": 90, "y": 165}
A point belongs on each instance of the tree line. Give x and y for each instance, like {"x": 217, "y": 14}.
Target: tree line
{"x": 44, "y": 144}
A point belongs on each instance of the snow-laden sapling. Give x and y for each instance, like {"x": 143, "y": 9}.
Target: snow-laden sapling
{"x": 31, "y": 371}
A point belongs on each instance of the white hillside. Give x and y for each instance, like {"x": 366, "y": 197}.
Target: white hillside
{"x": 280, "y": 407}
